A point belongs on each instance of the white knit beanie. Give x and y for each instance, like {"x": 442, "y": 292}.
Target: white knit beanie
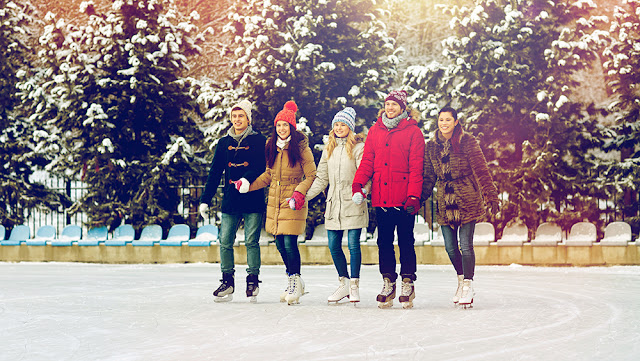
{"x": 347, "y": 116}
{"x": 244, "y": 105}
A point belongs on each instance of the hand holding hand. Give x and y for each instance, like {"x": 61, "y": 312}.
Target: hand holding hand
{"x": 242, "y": 185}
{"x": 296, "y": 201}
{"x": 412, "y": 205}
{"x": 204, "y": 210}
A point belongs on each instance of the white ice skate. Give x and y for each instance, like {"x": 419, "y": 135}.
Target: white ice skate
{"x": 456, "y": 297}
{"x": 354, "y": 291}
{"x": 388, "y": 293}
{"x": 407, "y": 294}
{"x": 341, "y": 292}
{"x": 295, "y": 289}
{"x": 224, "y": 293}
{"x": 466, "y": 299}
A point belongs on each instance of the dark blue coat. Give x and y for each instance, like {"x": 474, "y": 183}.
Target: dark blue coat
{"x": 246, "y": 160}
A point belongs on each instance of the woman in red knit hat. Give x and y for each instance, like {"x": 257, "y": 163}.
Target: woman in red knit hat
{"x": 289, "y": 175}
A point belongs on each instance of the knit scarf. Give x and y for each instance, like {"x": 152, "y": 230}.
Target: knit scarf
{"x": 392, "y": 123}
{"x": 240, "y": 137}
{"x": 282, "y": 142}
{"x": 452, "y": 212}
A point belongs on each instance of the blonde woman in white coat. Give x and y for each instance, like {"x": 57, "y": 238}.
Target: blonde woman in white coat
{"x": 340, "y": 159}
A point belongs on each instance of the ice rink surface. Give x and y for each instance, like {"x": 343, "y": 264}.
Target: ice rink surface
{"x": 74, "y": 311}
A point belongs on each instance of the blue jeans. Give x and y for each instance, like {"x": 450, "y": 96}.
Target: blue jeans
{"x": 464, "y": 263}
{"x": 389, "y": 220}
{"x": 339, "y": 260}
{"x": 228, "y": 228}
{"x": 288, "y": 247}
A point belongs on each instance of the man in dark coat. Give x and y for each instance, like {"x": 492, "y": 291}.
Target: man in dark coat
{"x": 239, "y": 154}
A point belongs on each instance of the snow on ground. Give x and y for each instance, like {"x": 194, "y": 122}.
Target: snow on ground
{"x": 74, "y": 311}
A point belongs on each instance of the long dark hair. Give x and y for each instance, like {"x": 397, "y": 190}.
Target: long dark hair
{"x": 271, "y": 149}
{"x": 457, "y": 131}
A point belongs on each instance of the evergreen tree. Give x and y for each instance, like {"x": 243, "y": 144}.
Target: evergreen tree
{"x": 621, "y": 63}
{"x": 115, "y": 105}
{"x": 511, "y": 72}
{"x": 19, "y": 193}
{"x": 324, "y": 54}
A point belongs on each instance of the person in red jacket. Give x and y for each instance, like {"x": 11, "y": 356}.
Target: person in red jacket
{"x": 393, "y": 159}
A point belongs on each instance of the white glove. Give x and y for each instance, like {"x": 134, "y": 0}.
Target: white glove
{"x": 242, "y": 185}
{"x": 358, "y": 198}
{"x": 204, "y": 210}
{"x": 292, "y": 203}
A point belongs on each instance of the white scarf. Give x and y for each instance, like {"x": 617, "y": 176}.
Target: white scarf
{"x": 282, "y": 142}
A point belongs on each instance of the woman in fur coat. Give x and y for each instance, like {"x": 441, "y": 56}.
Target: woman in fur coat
{"x": 455, "y": 164}
{"x": 340, "y": 159}
{"x": 289, "y": 175}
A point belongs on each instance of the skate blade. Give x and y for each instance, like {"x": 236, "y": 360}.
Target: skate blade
{"x": 407, "y": 305}
{"x": 385, "y": 304}
{"x": 253, "y": 299}
{"x": 227, "y": 298}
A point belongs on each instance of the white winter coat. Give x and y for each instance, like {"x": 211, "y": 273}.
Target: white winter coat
{"x": 337, "y": 172}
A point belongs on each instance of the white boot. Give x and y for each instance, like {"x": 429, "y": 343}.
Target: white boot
{"x": 295, "y": 290}
{"x": 341, "y": 292}
{"x": 466, "y": 299}
{"x": 456, "y": 297}
{"x": 283, "y": 295}
{"x": 408, "y": 293}
{"x": 354, "y": 290}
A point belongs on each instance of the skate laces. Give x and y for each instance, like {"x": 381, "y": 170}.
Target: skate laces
{"x": 388, "y": 287}
{"x": 407, "y": 288}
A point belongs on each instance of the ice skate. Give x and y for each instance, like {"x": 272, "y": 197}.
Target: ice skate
{"x": 295, "y": 289}
{"x": 283, "y": 295}
{"x": 341, "y": 292}
{"x": 466, "y": 299}
{"x": 354, "y": 291}
{"x": 388, "y": 293}
{"x": 456, "y": 297}
{"x": 253, "y": 288}
{"x": 224, "y": 293}
{"x": 407, "y": 294}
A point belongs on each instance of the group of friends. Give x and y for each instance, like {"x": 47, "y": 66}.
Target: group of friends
{"x": 393, "y": 166}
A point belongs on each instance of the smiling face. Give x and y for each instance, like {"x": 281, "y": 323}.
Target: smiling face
{"x": 340, "y": 129}
{"x": 283, "y": 129}
{"x": 446, "y": 124}
{"x": 239, "y": 120}
{"x": 392, "y": 109}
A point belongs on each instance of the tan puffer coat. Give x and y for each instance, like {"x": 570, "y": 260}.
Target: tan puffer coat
{"x": 470, "y": 178}
{"x": 338, "y": 171}
{"x": 283, "y": 181}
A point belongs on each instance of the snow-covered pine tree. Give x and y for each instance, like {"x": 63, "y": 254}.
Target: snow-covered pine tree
{"x": 114, "y": 102}
{"x": 621, "y": 63}
{"x": 18, "y": 192}
{"x": 324, "y": 54}
{"x": 511, "y": 73}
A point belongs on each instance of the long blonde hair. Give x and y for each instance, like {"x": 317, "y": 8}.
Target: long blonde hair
{"x": 352, "y": 140}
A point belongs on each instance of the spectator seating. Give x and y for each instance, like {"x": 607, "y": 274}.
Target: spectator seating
{"x": 582, "y": 234}
{"x": 547, "y": 234}
{"x": 44, "y": 234}
{"x": 150, "y": 235}
{"x": 265, "y": 238}
{"x": 438, "y": 240}
{"x": 121, "y": 236}
{"x": 205, "y": 235}
{"x": 3, "y": 232}
{"x": 514, "y": 235}
{"x": 617, "y": 234}
{"x": 19, "y": 234}
{"x": 95, "y": 236}
{"x": 484, "y": 234}
{"x": 320, "y": 237}
{"x": 70, "y": 234}
{"x": 178, "y": 233}
{"x": 421, "y": 233}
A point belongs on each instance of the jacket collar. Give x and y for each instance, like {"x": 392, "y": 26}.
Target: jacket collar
{"x": 404, "y": 123}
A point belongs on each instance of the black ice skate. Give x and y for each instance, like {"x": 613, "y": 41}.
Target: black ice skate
{"x": 252, "y": 288}
{"x": 388, "y": 293}
{"x": 224, "y": 293}
{"x": 407, "y": 294}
